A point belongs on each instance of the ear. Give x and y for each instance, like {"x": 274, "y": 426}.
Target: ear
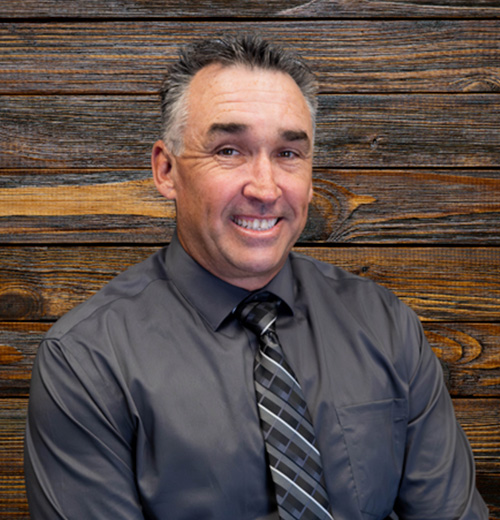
{"x": 162, "y": 164}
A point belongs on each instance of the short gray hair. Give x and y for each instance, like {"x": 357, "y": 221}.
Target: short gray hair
{"x": 251, "y": 51}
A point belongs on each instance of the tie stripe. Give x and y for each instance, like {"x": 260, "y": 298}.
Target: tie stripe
{"x": 298, "y": 497}
{"x": 289, "y": 415}
{"x": 268, "y": 361}
{"x": 294, "y": 459}
{"x": 302, "y": 479}
{"x": 288, "y": 433}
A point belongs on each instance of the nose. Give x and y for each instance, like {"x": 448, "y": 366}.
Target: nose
{"x": 262, "y": 184}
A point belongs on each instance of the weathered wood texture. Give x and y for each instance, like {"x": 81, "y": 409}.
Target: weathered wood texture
{"x": 407, "y": 171}
{"x": 479, "y": 418}
{"x": 440, "y": 284}
{"x": 349, "y": 206}
{"x": 361, "y": 56}
{"x": 375, "y": 131}
{"x": 251, "y": 8}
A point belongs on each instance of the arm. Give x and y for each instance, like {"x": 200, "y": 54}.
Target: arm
{"x": 78, "y": 447}
{"x": 439, "y": 476}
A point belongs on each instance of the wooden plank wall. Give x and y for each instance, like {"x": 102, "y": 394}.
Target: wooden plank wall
{"x": 407, "y": 173}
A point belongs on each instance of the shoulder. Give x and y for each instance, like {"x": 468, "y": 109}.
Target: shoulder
{"x": 310, "y": 272}
{"x": 123, "y": 290}
{"x": 356, "y": 298}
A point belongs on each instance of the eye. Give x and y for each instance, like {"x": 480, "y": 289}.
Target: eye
{"x": 227, "y": 152}
{"x": 287, "y": 154}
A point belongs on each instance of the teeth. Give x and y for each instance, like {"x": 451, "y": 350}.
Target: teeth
{"x": 256, "y": 224}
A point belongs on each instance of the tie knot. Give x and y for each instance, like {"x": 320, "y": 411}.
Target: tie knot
{"x": 258, "y": 312}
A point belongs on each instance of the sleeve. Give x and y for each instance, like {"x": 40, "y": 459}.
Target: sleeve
{"x": 78, "y": 445}
{"x": 439, "y": 476}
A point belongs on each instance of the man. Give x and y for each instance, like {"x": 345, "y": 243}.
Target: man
{"x": 145, "y": 402}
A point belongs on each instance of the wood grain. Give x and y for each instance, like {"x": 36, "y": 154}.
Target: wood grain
{"x": 251, "y": 8}
{"x": 479, "y": 417}
{"x": 363, "y": 131}
{"x": 349, "y": 206}
{"x": 456, "y": 284}
{"x": 407, "y": 171}
{"x": 362, "y": 56}
{"x": 405, "y": 206}
{"x": 409, "y": 131}
{"x": 469, "y": 353}
{"x": 83, "y": 206}
{"x": 440, "y": 284}
{"x": 12, "y": 489}
{"x": 18, "y": 345}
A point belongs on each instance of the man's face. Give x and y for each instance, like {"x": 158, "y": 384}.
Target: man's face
{"x": 243, "y": 181}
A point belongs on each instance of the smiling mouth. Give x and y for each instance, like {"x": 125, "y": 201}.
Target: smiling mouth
{"x": 255, "y": 224}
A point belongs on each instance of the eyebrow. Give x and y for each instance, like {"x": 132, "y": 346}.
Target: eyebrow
{"x": 294, "y": 135}
{"x": 239, "y": 128}
{"x": 227, "y": 128}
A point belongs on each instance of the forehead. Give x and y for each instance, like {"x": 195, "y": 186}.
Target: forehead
{"x": 239, "y": 94}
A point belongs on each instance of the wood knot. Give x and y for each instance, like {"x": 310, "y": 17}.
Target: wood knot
{"x": 479, "y": 82}
{"x": 18, "y": 303}
{"x": 331, "y": 207}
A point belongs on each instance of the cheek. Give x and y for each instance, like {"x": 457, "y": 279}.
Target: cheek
{"x": 300, "y": 194}
{"x": 192, "y": 193}
{"x": 210, "y": 204}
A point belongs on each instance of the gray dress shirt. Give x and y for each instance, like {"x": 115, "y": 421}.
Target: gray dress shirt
{"x": 142, "y": 402}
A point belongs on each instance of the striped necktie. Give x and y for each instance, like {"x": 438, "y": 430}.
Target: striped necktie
{"x": 289, "y": 438}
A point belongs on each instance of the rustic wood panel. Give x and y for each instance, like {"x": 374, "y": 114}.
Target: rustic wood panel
{"x": 18, "y": 346}
{"x": 75, "y": 131}
{"x": 251, "y": 8}
{"x": 405, "y": 206}
{"x": 470, "y": 354}
{"x": 450, "y": 284}
{"x": 479, "y": 417}
{"x": 375, "y": 131}
{"x": 407, "y": 157}
{"x": 12, "y": 489}
{"x": 404, "y": 130}
{"x": 489, "y": 484}
{"x": 362, "y": 56}
{"x": 83, "y": 206}
{"x": 441, "y": 284}
{"x": 359, "y": 206}
{"x": 469, "y": 351}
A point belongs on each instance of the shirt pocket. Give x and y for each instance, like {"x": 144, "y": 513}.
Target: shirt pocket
{"x": 375, "y": 435}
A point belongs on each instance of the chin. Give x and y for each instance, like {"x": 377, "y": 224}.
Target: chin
{"x": 261, "y": 268}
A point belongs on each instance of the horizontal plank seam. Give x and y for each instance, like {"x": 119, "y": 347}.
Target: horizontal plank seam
{"x": 325, "y": 93}
{"x": 271, "y": 18}
{"x": 310, "y": 245}
{"x": 97, "y": 169}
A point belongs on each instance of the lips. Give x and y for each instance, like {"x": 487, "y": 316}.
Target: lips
{"x": 255, "y": 224}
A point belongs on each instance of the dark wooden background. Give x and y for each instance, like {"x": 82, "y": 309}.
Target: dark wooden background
{"x": 407, "y": 173}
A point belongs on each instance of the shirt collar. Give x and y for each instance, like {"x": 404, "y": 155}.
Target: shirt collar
{"x": 212, "y": 297}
